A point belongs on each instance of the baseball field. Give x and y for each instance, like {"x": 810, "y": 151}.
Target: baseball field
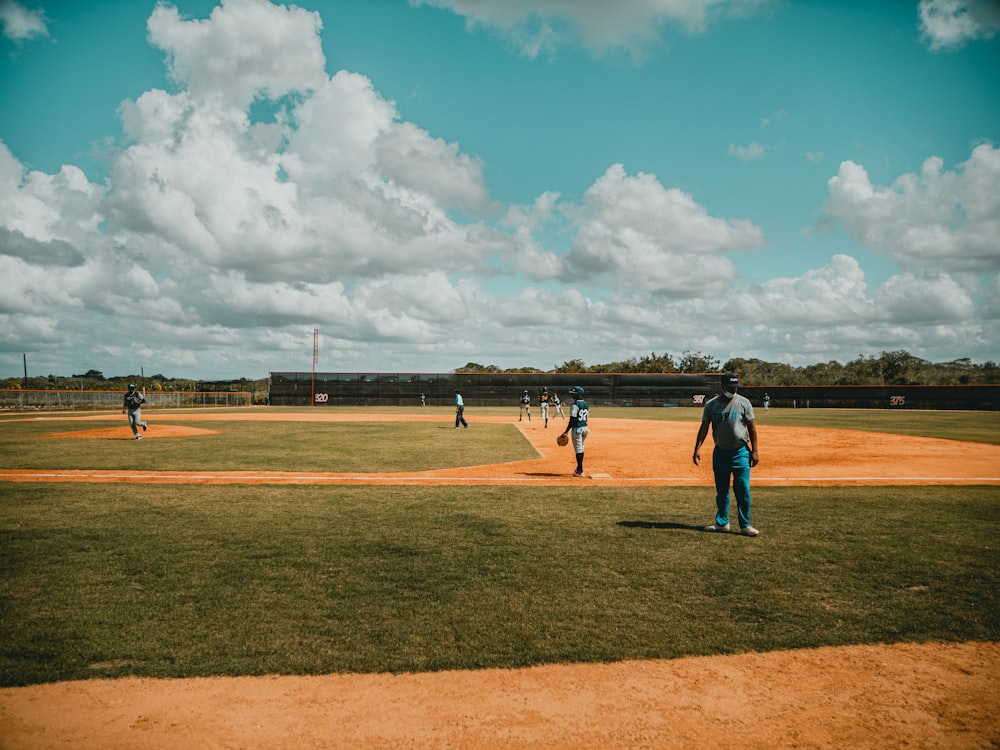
{"x": 323, "y": 578}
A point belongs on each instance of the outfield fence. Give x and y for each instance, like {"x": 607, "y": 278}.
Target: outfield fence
{"x": 63, "y": 400}
{"x": 486, "y": 389}
{"x": 605, "y": 389}
{"x": 946, "y": 397}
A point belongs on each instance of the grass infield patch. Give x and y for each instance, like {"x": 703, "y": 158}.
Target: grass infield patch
{"x": 113, "y": 580}
{"x": 266, "y": 446}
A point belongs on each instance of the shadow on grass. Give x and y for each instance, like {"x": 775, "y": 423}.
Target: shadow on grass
{"x": 660, "y": 525}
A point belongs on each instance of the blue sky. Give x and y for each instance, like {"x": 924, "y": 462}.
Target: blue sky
{"x": 192, "y": 188}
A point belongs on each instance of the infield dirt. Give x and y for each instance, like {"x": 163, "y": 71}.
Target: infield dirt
{"x": 626, "y": 451}
{"x": 895, "y": 696}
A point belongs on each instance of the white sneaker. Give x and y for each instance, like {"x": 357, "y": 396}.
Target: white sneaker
{"x": 749, "y": 531}
{"x": 138, "y": 437}
{"x": 716, "y": 527}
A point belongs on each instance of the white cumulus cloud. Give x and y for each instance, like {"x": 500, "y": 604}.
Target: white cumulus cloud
{"x": 937, "y": 219}
{"x": 246, "y": 48}
{"x": 950, "y": 24}
{"x": 749, "y": 152}
{"x": 541, "y": 26}
{"x": 646, "y": 236}
{"x": 19, "y": 23}
{"x": 221, "y": 236}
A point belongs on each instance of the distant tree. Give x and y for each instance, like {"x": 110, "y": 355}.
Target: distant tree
{"x": 826, "y": 373}
{"x": 900, "y": 367}
{"x": 759, "y": 372}
{"x": 572, "y": 365}
{"x": 647, "y": 363}
{"x": 91, "y": 375}
{"x": 697, "y": 362}
{"x": 862, "y": 371}
{"x": 658, "y": 363}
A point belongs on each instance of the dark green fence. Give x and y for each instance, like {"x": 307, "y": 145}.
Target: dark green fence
{"x": 484, "y": 389}
{"x": 608, "y": 389}
{"x": 951, "y": 397}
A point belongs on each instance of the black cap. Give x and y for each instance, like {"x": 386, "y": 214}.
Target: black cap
{"x": 730, "y": 382}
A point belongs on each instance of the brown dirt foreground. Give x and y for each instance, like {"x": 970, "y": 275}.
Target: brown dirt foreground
{"x": 894, "y": 696}
{"x": 901, "y": 696}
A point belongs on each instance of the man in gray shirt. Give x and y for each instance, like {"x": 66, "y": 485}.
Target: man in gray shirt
{"x": 735, "y": 435}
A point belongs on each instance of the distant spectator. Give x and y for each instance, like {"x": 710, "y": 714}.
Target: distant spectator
{"x": 459, "y": 411}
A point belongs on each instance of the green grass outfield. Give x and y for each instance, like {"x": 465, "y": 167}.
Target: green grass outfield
{"x": 105, "y": 580}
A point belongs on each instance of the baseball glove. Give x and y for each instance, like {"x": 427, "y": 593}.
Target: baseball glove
{"x": 562, "y": 439}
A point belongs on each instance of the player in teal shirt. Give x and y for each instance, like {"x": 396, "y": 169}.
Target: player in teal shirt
{"x": 460, "y": 410}
{"x": 579, "y": 413}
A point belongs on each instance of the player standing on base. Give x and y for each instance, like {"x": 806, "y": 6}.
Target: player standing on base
{"x": 133, "y": 404}
{"x": 735, "y": 436}
{"x": 579, "y": 413}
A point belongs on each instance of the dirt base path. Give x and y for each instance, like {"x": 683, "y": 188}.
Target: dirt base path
{"x": 629, "y": 452}
{"x": 897, "y": 696}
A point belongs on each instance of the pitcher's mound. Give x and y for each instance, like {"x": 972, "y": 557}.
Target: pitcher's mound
{"x": 123, "y": 433}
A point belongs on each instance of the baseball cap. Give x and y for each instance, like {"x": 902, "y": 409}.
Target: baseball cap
{"x": 131, "y": 385}
{"x": 730, "y": 382}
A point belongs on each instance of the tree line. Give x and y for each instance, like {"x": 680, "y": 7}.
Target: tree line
{"x": 889, "y": 368}
{"x": 95, "y": 380}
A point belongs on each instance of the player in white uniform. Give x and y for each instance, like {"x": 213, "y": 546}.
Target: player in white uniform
{"x": 525, "y": 406}
{"x": 133, "y": 403}
{"x": 558, "y": 404}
